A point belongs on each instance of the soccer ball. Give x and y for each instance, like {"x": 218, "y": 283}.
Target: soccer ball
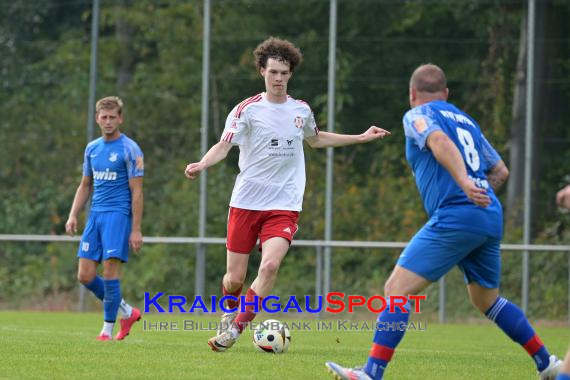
{"x": 272, "y": 336}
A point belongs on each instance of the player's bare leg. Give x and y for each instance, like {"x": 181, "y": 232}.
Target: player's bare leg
{"x": 273, "y": 252}
{"x": 403, "y": 282}
{"x": 482, "y": 298}
{"x": 86, "y": 271}
{"x": 232, "y": 284}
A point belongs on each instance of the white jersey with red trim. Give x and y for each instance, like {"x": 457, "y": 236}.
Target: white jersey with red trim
{"x": 271, "y": 159}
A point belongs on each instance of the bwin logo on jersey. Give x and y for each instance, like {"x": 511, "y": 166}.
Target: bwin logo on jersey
{"x": 106, "y": 175}
{"x": 113, "y": 157}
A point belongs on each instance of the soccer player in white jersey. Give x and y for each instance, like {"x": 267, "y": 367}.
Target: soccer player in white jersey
{"x": 269, "y": 129}
{"x": 113, "y": 169}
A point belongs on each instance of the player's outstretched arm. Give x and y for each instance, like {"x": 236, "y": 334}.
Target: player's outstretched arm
{"x": 498, "y": 175}
{"x": 447, "y": 154}
{"x": 329, "y": 139}
{"x": 216, "y": 154}
{"x": 81, "y": 196}
{"x": 563, "y": 198}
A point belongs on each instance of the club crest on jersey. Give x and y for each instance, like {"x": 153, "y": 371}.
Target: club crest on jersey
{"x": 299, "y": 122}
{"x": 420, "y": 124}
{"x": 234, "y": 124}
{"x": 113, "y": 156}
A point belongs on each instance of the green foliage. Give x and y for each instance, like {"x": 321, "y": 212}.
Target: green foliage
{"x": 150, "y": 53}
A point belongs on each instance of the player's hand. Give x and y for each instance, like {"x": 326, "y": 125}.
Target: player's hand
{"x": 71, "y": 226}
{"x": 563, "y": 197}
{"x": 193, "y": 170}
{"x": 476, "y": 194}
{"x": 374, "y": 133}
{"x": 136, "y": 240}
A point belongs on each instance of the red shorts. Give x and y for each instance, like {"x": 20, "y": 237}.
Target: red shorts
{"x": 246, "y": 226}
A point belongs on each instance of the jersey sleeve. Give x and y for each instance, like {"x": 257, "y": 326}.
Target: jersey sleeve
{"x": 134, "y": 160}
{"x": 419, "y": 123}
{"x": 489, "y": 154}
{"x": 236, "y": 126}
{"x": 310, "y": 126}
{"x": 87, "y": 170}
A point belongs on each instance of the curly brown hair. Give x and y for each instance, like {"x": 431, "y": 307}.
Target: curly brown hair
{"x": 281, "y": 50}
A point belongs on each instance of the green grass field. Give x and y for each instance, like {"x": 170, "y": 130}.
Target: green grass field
{"x": 62, "y": 345}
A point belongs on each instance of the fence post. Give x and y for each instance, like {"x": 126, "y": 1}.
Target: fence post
{"x": 442, "y": 300}
{"x": 319, "y": 276}
{"x": 91, "y": 105}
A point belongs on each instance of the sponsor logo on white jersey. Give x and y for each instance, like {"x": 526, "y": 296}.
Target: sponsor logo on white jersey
{"x": 106, "y": 175}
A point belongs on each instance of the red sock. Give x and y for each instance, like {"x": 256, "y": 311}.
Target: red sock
{"x": 236, "y": 293}
{"x": 243, "y": 319}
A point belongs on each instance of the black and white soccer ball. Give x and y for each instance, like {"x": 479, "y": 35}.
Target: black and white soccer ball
{"x": 272, "y": 336}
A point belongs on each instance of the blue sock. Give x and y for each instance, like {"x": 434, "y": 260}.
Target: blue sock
{"x": 390, "y": 330}
{"x": 563, "y": 376}
{"x": 97, "y": 287}
{"x": 112, "y": 299}
{"x": 514, "y": 323}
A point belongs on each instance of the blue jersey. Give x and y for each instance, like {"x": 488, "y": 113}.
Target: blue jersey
{"x": 446, "y": 204}
{"x": 111, "y": 164}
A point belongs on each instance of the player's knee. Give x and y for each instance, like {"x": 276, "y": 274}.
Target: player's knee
{"x": 232, "y": 282}
{"x": 479, "y": 305}
{"x": 483, "y": 303}
{"x": 269, "y": 268}
{"x": 85, "y": 277}
{"x": 391, "y": 288}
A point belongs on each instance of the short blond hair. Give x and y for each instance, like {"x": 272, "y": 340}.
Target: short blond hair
{"x": 109, "y": 103}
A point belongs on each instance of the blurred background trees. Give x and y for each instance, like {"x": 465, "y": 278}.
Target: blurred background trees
{"x": 150, "y": 53}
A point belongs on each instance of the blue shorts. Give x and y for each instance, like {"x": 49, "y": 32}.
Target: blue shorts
{"x": 106, "y": 236}
{"x": 433, "y": 251}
